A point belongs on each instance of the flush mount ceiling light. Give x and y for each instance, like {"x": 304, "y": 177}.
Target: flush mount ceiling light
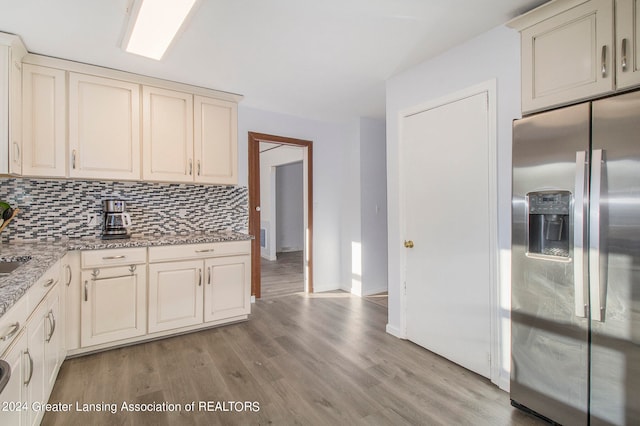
{"x": 153, "y": 24}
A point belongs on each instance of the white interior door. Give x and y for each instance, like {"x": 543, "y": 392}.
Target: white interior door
{"x": 445, "y": 178}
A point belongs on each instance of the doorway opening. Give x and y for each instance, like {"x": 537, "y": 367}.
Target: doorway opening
{"x": 284, "y": 161}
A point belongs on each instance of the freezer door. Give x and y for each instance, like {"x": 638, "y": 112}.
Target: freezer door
{"x": 614, "y": 262}
{"x": 549, "y": 341}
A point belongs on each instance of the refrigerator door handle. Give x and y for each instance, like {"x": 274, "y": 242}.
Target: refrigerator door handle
{"x": 597, "y": 310}
{"x": 579, "y": 203}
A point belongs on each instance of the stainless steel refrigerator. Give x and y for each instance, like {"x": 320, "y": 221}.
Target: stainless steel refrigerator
{"x": 575, "y": 292}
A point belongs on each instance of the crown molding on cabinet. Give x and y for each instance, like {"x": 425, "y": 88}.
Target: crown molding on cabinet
{"x": 79, "y": 67}
{"x": 542, "y": 12}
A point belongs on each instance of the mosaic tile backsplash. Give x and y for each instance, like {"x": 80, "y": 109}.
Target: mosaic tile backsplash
{"x": 52, "y": 209}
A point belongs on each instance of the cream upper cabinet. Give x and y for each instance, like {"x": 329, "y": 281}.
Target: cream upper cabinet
{"x": 216, "y": 141}
{"x": 11, "y": 53}
{"x": 104, "y": 128}
{"x": 43, "y": 121}
{"x": 569, "y": 56}
{"x": 167, "y": 135}
{"x": 628, "y": 43}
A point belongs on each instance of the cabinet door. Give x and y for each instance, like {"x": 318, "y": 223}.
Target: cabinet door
{"x": 175, "y": 295}
{"x": 216, "y": 141}
{"x": 569, "y": 56}
{"x": 44, "y": 121}
{"x": 54, "y": 339}
{"x": 227, "y": 288}
{"x": 167, "y": 135}
{"x": 14, "y": 392}
{"x": 628, "y": 43}
{"x": 15, "y": 108}
{"x": 113, "y": 304}
{"x": 11, "y": 53}
{"x": 104, "y": 128}
{"x": 35, "y": 380}
{"x": 73, "y": 299}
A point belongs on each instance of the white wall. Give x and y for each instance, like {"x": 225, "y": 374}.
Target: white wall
{"x": 350, "y": 217}
{"x": 269, "y": 160}
{"x": 492, "y": 55}
{"x": 330, "y": 144}
{"x": 364, "y": 230}
{"x": 373, "y": 205}
{"x": 289, "y": 207}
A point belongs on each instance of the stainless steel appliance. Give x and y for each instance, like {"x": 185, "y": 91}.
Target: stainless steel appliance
{"x": 116, "y": 220}
{"x": 575, "y": 320}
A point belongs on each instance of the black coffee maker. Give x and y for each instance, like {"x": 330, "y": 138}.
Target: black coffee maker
{"x": 116, "y": 220}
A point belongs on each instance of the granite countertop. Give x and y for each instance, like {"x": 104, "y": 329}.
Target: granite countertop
{"x": 42, "y": 255}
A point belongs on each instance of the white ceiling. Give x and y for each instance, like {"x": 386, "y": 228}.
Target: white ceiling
{"x": 321, "y": 59}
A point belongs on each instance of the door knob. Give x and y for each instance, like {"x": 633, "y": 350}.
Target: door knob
{"x": 408, "y": 244}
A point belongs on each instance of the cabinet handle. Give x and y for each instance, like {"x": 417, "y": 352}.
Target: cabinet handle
{"x": 200, "y": 278}
{"x": 26, "y": 382}
{"x": 73, "y": 159}
{"x": 69, "y": 274}
{"x": 624, "y": 54}
{"x": 190, "y": 167}
{"x": 205, "y": 251}
{"x": 52, "y": 324}
{"x": 86, "y": 291}
{"x": 604, "y": 61}
{"x": 198, "y": 167}
{"x": 49, "y": 283}
{"x": 209, "y": 279}
{"x": 14, "y": 330}
{"x": 114, "y": 257}
{"x": 16, "y": 152}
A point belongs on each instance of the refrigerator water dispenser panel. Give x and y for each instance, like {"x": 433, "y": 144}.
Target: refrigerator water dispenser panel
{"x": 549, "y": 221}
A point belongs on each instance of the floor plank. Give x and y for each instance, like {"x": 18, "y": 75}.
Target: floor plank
{"x": 304, "y": 359}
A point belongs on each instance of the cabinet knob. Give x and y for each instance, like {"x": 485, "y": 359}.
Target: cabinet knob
{"x": 408, "y": 244}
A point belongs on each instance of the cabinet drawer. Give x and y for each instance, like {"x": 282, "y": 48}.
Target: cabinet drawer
{"x": 37, "y": 292}
{"x": 12, "y": 322}
{"x": 198, "y": 251}
{"x": 109, "y": 257}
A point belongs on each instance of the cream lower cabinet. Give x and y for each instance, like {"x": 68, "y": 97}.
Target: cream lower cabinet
{"x": 45, "y": 333}
{"x": 73, "y": 298}
{"x": 35, "y": 356}
{"x": 14, "y": 395}
{"x": 198, "y": 284}
{"x": 175, "y": 295}
{"x": 113, "y": 295}
{"x": 113, "y": 305}
{"x": 228, "y": 287}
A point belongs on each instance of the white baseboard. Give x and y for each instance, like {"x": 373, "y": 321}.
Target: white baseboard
{"x": 375, "y": 290}
{"x": 326, "y": 287}
{"x": 394, "y": 331}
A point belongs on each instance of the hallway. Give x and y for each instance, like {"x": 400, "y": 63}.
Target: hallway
{"x": 284, "y": 276}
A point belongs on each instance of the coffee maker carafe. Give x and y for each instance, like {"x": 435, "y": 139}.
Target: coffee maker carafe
{"x": 116, "y": 221}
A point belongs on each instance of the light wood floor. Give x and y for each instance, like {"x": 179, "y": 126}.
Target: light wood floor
{"x": 283, "y": 276}
{"x": 321, "y": 359}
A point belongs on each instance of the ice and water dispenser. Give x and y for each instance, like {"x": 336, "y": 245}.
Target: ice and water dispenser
{"x": 549, "y": 222}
